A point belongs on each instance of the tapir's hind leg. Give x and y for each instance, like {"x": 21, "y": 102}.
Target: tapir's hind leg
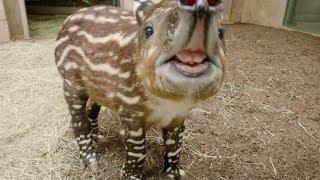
{"x": 93, "y": 110}
{"x": 77, "y": 100}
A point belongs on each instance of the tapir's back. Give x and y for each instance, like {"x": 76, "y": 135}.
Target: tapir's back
{"x": 100, "y": 27}
{"x": 96, "y": 46}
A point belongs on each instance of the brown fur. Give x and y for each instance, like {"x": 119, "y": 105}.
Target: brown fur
{"x": 100, "y": 57}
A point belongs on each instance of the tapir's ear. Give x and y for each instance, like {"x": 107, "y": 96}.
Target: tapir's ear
{"x": 140, "y": 7}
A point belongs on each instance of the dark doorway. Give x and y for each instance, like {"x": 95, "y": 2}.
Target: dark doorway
{"x": 63, "y": 6}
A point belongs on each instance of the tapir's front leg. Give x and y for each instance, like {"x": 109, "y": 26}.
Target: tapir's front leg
{"x": 173, "y": 139}
{"x": 93, "y": 110}
{"x": 77, "y": 100}
{"x": 135, "y": 144}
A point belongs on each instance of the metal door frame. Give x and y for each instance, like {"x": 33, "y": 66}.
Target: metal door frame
{"x": 291, "y": 8}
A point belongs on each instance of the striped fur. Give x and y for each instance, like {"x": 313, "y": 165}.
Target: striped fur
{"x": 104, "y": 60}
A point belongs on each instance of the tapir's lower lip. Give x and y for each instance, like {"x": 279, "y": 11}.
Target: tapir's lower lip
{"x": 192, "y": 70}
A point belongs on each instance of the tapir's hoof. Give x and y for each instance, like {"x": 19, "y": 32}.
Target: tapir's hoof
{"x": 122, "y": 132}
{"x": 92, "y": 164}
{"x": 99, "y": 138}
{"x": 102, "y": 140}
{"x": 177, "y": 174}
{"x": 125, "y": 176}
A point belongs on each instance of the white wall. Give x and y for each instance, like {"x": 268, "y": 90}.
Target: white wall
{"x": 227, "y": 10}
{"x": 264, "y": 12}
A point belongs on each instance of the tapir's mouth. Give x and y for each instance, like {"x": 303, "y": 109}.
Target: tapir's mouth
{"x": 190, "y": 63}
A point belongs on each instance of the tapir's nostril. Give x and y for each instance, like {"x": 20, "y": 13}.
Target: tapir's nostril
{"x": 193, "y": 2}
{"x": 199, "y": 6}
{"x": 188, "y": 2}
{"x": 213, "y": 2}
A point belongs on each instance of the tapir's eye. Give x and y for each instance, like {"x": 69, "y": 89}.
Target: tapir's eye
{"x": 148, "y": 31}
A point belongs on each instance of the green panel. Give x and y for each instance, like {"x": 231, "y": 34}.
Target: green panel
{"x": 290, "y": 12}
{"x": 308, "y": 6}
{"x": 307, "y": 11}
{"x": 303, "y": 15}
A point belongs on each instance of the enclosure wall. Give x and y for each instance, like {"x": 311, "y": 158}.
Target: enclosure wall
{"x": 262, "y": 12}
{"x": 267, "y": 13}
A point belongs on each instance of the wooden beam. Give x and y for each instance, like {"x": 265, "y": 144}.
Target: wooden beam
{"x": 4, "y": 32}
{"x": 24, "y": 19}
{"x": 4, "y": 28}
{"x": 13, "y": 15}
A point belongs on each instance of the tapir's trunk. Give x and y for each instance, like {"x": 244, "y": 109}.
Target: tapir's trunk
{"x": 199, "y": 18}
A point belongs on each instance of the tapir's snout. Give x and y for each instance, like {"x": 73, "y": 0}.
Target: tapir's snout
{"x": 199, "y": 19}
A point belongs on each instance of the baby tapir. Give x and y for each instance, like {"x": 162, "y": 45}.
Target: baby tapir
{"x": 149, "y": 67}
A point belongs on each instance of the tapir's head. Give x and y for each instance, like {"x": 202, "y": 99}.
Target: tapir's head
{"x": 180, "y": 52}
